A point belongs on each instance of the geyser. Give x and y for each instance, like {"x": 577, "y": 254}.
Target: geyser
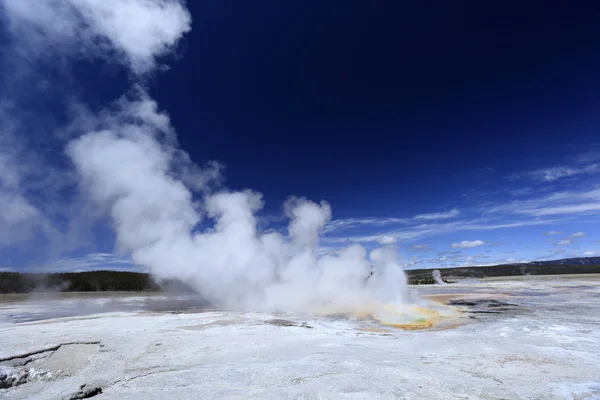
{"x": 129, "y": 164}
{"x": 437, "y": 276}
{"x": 125, "y": 169}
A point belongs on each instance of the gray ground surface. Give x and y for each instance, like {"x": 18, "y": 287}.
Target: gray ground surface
{"x": 533, "y": 338}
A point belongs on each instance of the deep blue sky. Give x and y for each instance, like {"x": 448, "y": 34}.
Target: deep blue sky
{"x": 383, "y": 108}
{"x": 488, "y": 112}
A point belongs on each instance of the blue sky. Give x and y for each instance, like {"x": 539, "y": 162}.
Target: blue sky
{"x": 463, "y": 134}
{"x": 546, "y": 213}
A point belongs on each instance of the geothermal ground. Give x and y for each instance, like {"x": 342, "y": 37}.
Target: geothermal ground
{"x": 522, "y": 338}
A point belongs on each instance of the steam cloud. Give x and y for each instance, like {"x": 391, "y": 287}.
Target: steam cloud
{"x": 437, "y": 276}
{"x": 130, "y": 165}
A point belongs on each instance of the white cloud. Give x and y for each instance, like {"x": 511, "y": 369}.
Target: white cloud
{"x": 385, "y": 240}
{"x": 588, "y": 253}
{"x": 348, "y": 223}
{"x": 440, "y": 215}
{"x": 578, "y": 234}
{"x": 549, "y": 233}
{"x": 466, "y": 244}
{"x": 564, "y": 242}
{"x": 341, "y": 224}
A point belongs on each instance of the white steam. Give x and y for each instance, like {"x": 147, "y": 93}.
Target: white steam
{"x": 130, "y": 165}
{"x": 126, "y": 169}
{"x": 437, "y": 276}
{"x": 137, "y": 31}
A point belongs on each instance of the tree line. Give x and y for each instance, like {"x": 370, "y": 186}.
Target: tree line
{"x": 93, "y": 281}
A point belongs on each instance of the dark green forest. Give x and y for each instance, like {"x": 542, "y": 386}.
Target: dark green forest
{"x": 98, "y": 281}
{"x": 94, "y": 281}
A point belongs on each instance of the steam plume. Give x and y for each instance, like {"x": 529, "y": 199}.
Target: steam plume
{"x": 437, "y": 276}
{"x": 129, "y": 164}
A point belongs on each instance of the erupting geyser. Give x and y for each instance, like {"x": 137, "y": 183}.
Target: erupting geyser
{"x": 437, "y": 276}
{"x": 129, "y": 164}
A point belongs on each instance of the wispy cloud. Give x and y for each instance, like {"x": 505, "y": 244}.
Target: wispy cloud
{"x": 589, "y": 253}
{"x": 555, "y": 252}
{"x": 466, "y": 244}
{"x": 558, "y": 203}
{"x": 564, "y": 242}
{"x": 428, "y": 230}
{"x": 562, "y": 210}
{"x": 558, "y": 172}
{"x": 421, "y": 247}
{"x": 578, "y": 234}
{"x": 551, "y": 233}
{"x": 439, "y": 215}
{"x": 341, "y": 224}
{"x": 446, "y": 253}
{"x": 348, "y": 223}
